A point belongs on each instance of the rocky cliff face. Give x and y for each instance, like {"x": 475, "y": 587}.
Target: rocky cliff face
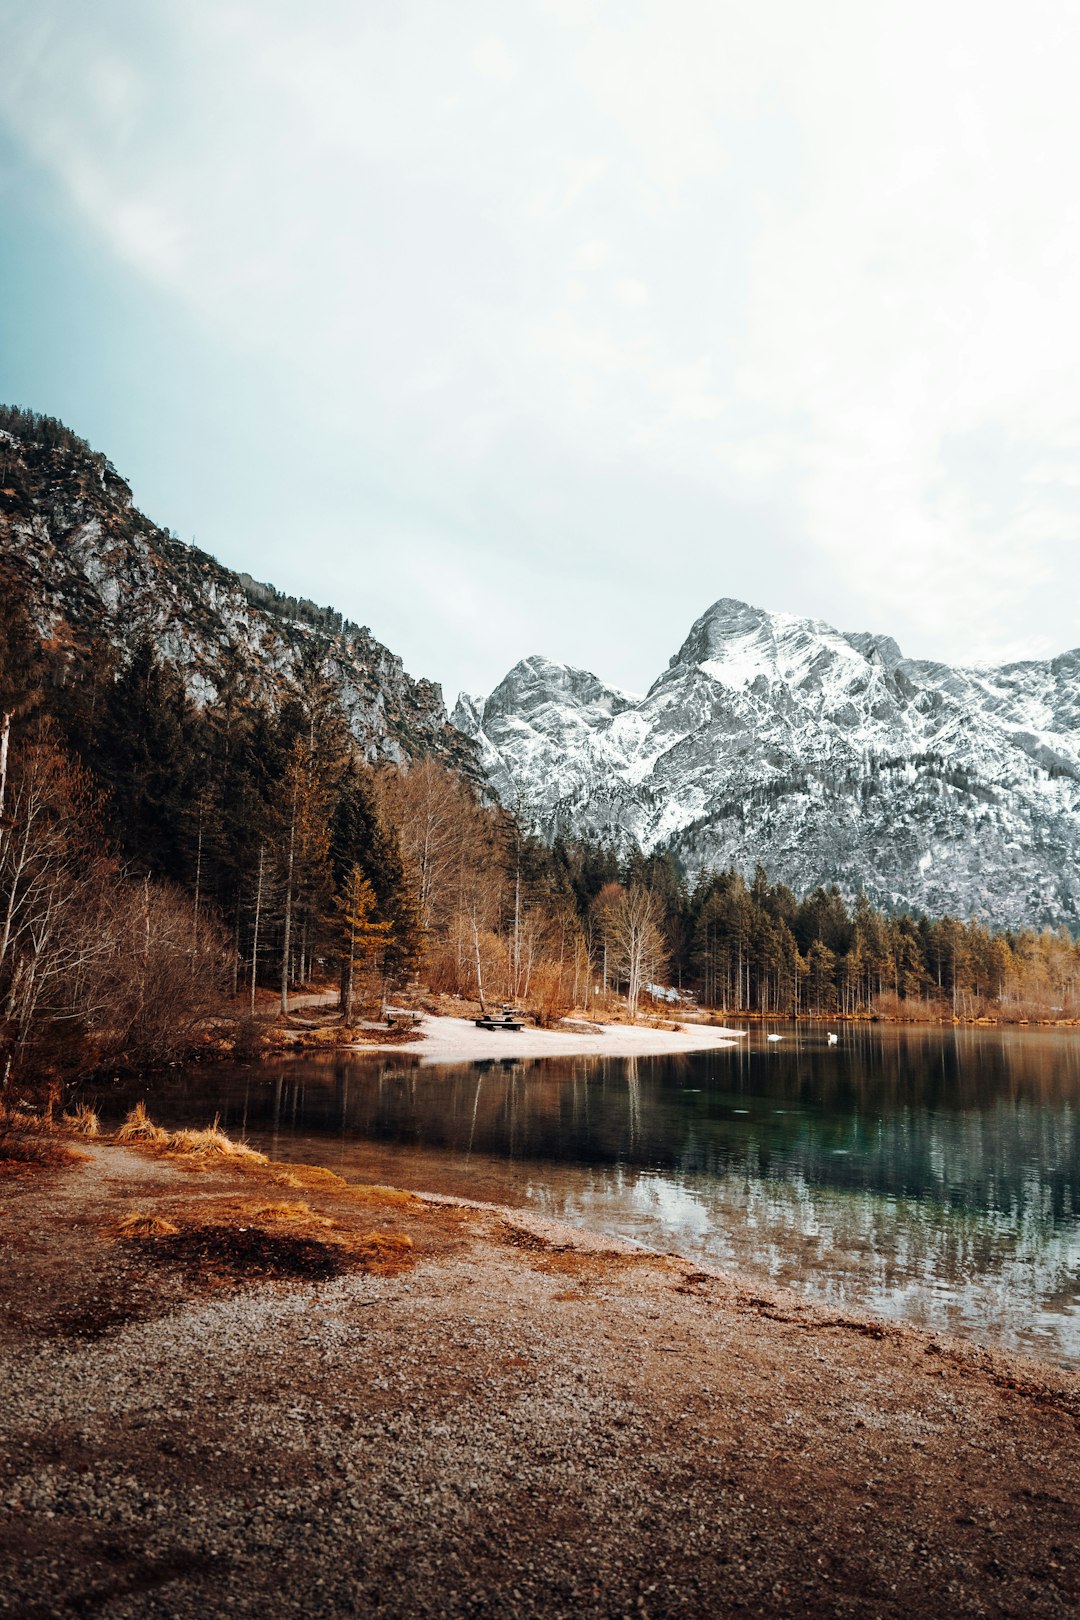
{"x": 825, "y": 756}
{"x": 94, "y": 569}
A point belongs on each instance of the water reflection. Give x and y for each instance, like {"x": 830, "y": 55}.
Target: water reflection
{"x": 926, "y": 1174}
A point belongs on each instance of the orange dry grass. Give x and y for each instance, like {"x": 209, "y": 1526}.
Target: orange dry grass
{"x": 137, "y": 1224}
{"x": 139, "y": 1127}
{"x": 212, "y": 1142}
{"x": 327, "y": 1037}
{"x": 40, "y": 1151}
{"x": 364, "y": 1194}
{"x": 28, "y": 1139}
{"x": 247, "y": 1239}
{"x": 289, "y": 1214}
{"x": 278, "y": 1037}
{"x": 309, "y": 1175}
{"x": 383, "y": 1253}
{"x": 83, "y": 1122}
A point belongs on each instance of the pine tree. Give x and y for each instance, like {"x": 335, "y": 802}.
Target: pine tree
{"x": 147, "y": 757}
{"x": 362, "y": 936}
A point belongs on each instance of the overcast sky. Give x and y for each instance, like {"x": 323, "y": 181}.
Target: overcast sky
{"x": 536, "y": 327}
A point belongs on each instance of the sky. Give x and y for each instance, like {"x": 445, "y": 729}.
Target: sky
{"x": 535, "y": 328}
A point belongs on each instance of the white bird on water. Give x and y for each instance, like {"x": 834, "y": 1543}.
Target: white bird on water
{"x": 774, "y": 1037}
{"x": 831, "y": 1038}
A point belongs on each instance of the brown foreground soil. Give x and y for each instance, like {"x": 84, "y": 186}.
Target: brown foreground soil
{"x": 245, "y": 1389}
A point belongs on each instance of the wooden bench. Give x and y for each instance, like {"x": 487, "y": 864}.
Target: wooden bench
{"x": 402, "y": 1018}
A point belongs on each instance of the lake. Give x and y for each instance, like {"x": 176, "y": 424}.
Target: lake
{"x": 925, "y": 1174}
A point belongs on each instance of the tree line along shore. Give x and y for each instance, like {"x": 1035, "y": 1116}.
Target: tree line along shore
{"x": 162, "y": 862}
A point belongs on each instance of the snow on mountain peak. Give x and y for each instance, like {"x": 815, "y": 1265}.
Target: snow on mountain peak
{"x": 827, "y": 756}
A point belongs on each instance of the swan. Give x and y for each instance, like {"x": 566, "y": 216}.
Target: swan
{"x": 774, "y": 1037}
{"x": 831, "y": 1038}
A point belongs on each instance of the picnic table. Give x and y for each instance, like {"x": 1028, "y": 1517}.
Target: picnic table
{"x": 508, "y": 1018}
{"x": 402, "y": 1017}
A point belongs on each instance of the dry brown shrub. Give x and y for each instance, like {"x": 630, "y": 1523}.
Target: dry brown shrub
{"x": 18, "y": 1118}
{"x": 394, "y": 1036}
{"x": 32, "y": 1150}
{"x": 329, "y": 1037}
{"x": 136, "y": 1224}
{"x": 549, "y": 995}
{"x": 82, "y": 1122}
{"x": 28, "y": 1139}
{"x": 911, "y": 1010}
{"x": 162, "y": 976}
{"x": 139, "y": 1127}
{"x": 250, "y": 1037}
{"x": 211, "y": 1142}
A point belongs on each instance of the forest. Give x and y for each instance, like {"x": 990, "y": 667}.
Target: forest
{"x": 161, "y": 861}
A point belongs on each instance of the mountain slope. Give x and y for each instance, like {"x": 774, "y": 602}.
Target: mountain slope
{"x": 826, "y": 757}
{"x": 94, "y": 569}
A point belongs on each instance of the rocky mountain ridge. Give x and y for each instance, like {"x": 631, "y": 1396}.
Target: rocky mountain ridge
{"x": 92, "y": 568}
{"x": 822, "y": 755}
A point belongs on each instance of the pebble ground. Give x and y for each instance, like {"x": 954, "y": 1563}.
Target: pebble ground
{"x": 521, "y": 1422}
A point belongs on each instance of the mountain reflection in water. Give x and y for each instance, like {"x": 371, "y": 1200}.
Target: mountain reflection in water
{"x": 927, "y": 1174}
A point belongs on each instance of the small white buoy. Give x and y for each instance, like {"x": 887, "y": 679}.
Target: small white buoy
{"x": 774, "y": 1037}
{"x": 831, "y": 1038}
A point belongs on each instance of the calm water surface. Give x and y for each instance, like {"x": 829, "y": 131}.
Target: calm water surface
{"x": 929, "y": 1175}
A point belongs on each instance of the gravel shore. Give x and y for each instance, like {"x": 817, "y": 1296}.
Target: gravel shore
{"x": 276, "y": 1406}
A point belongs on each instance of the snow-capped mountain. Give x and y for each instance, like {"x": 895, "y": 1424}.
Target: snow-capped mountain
{"x": 827, "y": 757}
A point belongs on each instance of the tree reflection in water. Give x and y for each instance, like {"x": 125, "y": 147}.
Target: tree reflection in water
{"x": 924, "y": 1173}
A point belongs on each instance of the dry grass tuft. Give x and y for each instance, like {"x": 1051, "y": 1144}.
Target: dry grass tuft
{"x": 310, "y": 1175}
{"x": 83, "y": 1122}
{"x": 364, "y": 1193}
{"x": 383, "y": 1253}
{"x": 139, "y": 1127}
{"x": 28, "y": 1140}
{"x": 289, "y": 1214}
{"x": 212, "y": 1142}
{"x": 20, "y": 1119}
{"x": 326, "y": 1037}
{"x": 278, "y": 1038}
{"x": 137, "y": 1225}
{"x": 33, "y": 1150}
{"x": 397, "y": 1035}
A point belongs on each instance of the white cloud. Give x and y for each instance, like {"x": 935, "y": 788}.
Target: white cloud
{"x": 632, "y": 294}
{"x": 806, "y": 269}
{"x": 494, "y": 61}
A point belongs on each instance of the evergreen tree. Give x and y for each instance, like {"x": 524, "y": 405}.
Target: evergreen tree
{"x": 147, "y": 757}
{"x": 362, "y": 937}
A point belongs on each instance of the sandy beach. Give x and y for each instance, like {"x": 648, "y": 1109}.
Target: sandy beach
{"x": 457, "y": 1040}
{"x": 282, "y": 1394}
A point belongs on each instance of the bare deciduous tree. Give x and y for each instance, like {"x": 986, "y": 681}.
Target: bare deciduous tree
{"x": 89, "y": 961}
{"x": 632, "y": 926}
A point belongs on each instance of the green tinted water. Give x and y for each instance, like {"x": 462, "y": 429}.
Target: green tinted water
{"x": 929, "y": 1175}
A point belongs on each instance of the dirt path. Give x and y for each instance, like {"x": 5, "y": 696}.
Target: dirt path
{"x": 506, "y": 1419}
